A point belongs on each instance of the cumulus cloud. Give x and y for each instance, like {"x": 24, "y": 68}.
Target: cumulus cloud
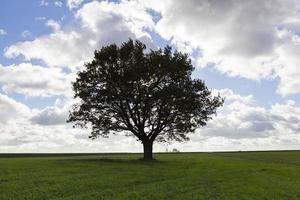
{"x": 253, "y": 39}
{"x": 230, "y": 96}
{"x": 56, "y": 49}
{"x": 53, "y": 115}
{"x": 11, "y": 109}
{"x": 50, "y": 116}
{"x": 289, "y": 116}
{"x": 100, "y": 23}
{"x": 33, "y": 80}
{"x": 242, "y": 118}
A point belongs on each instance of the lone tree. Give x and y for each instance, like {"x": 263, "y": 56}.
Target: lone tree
{"x": 146, "y": 94}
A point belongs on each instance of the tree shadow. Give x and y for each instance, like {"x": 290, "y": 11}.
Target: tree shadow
{"x": 138, "y": 161}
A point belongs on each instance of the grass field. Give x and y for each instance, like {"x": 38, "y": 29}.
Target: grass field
{"x": 244, "y": 175}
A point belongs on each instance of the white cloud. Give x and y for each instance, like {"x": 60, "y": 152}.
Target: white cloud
{"x": 54, "y": 25}
{"x": 11, "y": 109}
{"x": 53, "y": 115}
{"x": 242, "y": 118}
{"x": 72, "y": 4}
{"x": 289, "y": 62}
{"x": 57, "y": 49}
{"x": 32, "y": 80}
{"x": 50, "y": 116}
{"x": 100, "y": 23}
{"x": 230, "y": 96}
{"x": 253, "y": 39}
{"x": 58, "y": 3}
{"x": 289, "y": 116}
{"x": 44, "y": 3}
{"x": 2, "y": 32}
{"x": 26, "y": 34}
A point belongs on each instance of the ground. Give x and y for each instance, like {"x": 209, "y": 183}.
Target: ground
{"x": 240, "y": 175}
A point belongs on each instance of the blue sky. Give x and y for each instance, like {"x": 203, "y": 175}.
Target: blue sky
{"x": 244, "y": 57}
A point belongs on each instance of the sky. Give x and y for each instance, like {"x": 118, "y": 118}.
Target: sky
{"x": 248, "y": 51}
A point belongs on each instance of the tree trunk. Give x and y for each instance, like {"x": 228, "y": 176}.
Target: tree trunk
{"x": 148, "y": 145}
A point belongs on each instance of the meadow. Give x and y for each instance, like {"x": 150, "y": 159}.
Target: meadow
{"x": 235, "y": 175}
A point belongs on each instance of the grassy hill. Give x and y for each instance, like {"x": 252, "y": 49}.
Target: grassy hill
{"x": 241, "y": 175}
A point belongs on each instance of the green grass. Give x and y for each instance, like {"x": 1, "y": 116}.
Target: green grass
{"x": 244, "y": 175}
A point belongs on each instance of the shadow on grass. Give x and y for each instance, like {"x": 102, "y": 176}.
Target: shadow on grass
{"x": 139, "y": 161}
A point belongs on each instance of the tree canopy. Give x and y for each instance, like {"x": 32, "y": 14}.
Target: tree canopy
{"x": 149, "y": 94}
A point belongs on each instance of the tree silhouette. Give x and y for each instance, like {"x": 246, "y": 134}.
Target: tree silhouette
{"x": 146, "y": 94}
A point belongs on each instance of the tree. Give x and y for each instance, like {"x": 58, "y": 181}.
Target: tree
{"x": 148, "y": 94}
